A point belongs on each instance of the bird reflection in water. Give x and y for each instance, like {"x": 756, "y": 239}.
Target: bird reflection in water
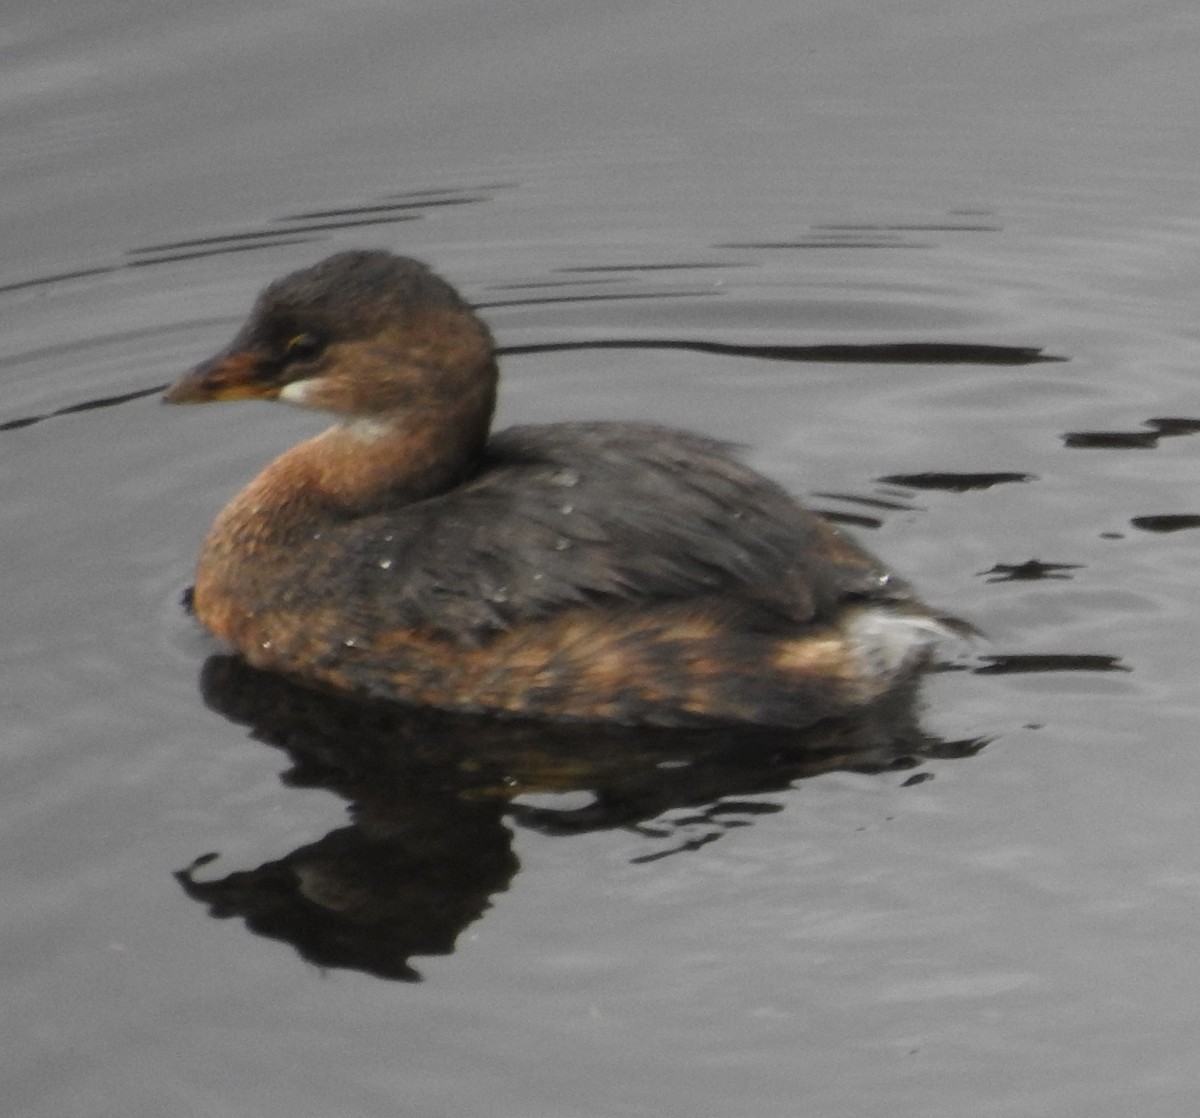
{"x": 432, "y": 796}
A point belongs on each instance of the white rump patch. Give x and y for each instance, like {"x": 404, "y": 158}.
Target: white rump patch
{"x": 890, "y": 641}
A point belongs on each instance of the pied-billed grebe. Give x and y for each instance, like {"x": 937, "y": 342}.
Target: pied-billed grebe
{"x": 599, "y": 571}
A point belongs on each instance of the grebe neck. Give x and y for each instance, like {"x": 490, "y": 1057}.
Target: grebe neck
{"x": 366, "y": 463}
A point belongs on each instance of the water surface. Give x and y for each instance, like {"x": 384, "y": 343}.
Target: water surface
{"x": 843, "y": 236}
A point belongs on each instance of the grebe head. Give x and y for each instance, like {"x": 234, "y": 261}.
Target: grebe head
{"x": 360, "y": 334}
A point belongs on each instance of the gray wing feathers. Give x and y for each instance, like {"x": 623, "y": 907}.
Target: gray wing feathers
{"x": 569, "y": 513}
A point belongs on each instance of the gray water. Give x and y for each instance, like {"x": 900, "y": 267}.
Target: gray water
{"x": 1000, "y": 923}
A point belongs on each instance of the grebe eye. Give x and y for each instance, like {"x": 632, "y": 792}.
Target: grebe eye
{"x": 301, "y": 347}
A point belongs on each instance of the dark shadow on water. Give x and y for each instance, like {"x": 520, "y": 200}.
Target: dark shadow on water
{"x": 877, "y": 235}
{"x": 888, "y": 353}
{"x": 954, "y": 482}
{"x": 86, "y": 405}
{"x": 680, "y": 266}
{"x": 1027, "y": 663}
{"x": 228, "y": 246}
{"x": 431, "y": 799}
{"x": 1148, "y": 439}
{"x": 851, "y": 519}
{"x": 870, "y": 502}
{"x": 1032, "y": 570}
{"x": 876, "y": 241}
{"x": 911, "y": 226}
{"x": 386, "y": 208}
{"x": 1167, "y": 522}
